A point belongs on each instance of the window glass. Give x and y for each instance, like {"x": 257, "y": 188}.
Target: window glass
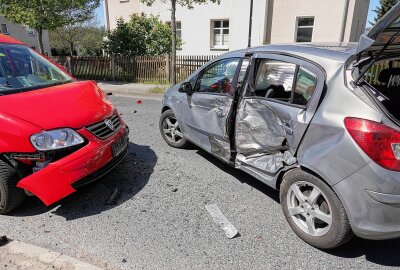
{"x": 304, "y": 29}
{"x": 31, "y": 31}
{"x": 218, "y": 77}
{"x": 178, "y": 28}
{"x": 305, "y": 86}
{"x": 21, "y": 67}
{"x": 220, "y": 34}
{"x": 4, "y": 28}
{"x": 179, "y": 34}
{"x": 306, "y": 22}
{"x": 274, "y": 79}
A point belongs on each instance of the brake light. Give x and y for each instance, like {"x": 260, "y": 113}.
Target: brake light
{"x": 381, "y": 143}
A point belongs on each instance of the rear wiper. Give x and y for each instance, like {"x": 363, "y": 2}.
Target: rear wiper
{"x": 376, "y": 57}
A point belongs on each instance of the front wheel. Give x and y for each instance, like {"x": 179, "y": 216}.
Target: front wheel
{"x": 171, "y": 131}
{"x": 313, "y": 210}
{"x": 10, "y": 195}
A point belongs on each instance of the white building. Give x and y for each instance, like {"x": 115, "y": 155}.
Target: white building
{"x": 24, "y": 34}
{"x": 214, "y": 29}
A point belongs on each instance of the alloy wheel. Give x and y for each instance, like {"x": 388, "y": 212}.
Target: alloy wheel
{"x": 172, "y": 130}
{"x": 309, "y": 208}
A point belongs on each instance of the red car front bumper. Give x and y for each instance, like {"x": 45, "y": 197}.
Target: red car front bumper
{"x": 56, "y": 181}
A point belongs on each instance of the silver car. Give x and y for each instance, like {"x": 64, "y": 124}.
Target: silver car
{"x": 304, "y": 120}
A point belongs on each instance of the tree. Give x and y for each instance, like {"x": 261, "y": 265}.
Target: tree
{"x": 385, "y": 6}
{"x": 92, "y": 41}
{"x": 83, "y": 37}
{"x": 47, "y": 14}
{"x": 141, "y": 35}
{"x": 183, "y": 3}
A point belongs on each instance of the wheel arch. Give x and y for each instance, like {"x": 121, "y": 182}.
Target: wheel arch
{"x": 303, "y": 168}
{"x": 165, "y": 108}
{"x": 6, "y": 160}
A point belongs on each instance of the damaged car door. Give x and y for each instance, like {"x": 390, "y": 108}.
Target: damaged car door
{"x": 279, "y": 101}
{"x": 207, "y": 109}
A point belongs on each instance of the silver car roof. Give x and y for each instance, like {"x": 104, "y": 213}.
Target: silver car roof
{"x": 327, "y": 55}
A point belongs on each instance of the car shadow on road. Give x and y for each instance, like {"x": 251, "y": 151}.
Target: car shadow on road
{"x": 113, "y": 189}
{"x": 241, "y": 176}
{"x": 385, "y": 252}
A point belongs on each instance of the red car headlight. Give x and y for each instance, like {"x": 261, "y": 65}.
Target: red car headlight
{"x": 56, "y": 139}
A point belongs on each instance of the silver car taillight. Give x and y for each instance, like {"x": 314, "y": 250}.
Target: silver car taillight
{"x": 396, "y": 150}
{"x": 380, "y": 142}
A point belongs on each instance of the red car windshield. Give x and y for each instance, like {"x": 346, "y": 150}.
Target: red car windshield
{"x": 21, "y": 68}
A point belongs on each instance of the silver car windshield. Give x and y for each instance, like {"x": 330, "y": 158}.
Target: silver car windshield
{"x": 21, "y": 68}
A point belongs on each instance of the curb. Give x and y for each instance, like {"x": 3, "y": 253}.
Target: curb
{"x": 19, "y": 255}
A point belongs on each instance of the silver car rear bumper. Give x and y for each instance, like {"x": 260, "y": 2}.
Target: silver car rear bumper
{"x": 371, "y": 197}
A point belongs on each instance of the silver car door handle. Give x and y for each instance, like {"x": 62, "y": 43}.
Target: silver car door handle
{"x": 288, "y": 129}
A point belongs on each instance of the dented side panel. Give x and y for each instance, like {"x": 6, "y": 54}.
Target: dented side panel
{"x": 205, "y": 121}
{"x": 261, "y": 140}
{"x": 259, "y": 129}
{"x": 270, "y": 163}
{"x": 269, "y": 132}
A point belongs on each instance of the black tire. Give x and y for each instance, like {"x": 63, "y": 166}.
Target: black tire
{"x": 10, "y": 195}
{"x": 179, "y": 143}
{"x": 338, "y": 230}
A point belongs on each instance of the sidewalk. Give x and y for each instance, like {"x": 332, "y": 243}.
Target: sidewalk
{"x": 131, "y": 88}
{"x": 18, "y": 255}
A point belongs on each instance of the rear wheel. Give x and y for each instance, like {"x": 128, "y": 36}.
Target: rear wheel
{"x": 313, "y": 210}
{"x": 10, "y": 195}
{"x": 171, "y": 131}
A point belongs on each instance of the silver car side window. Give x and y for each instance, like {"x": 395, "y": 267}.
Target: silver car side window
{"x": 306, "y": 84}
{"x": 218, "y": 77}
{"x": 274, "y": 79}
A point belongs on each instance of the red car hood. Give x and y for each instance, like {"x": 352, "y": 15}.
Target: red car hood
{"x": 73, "y": 105}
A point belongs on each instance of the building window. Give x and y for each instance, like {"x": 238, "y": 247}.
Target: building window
{"x": 4, "y": 29}
{"x": 220, "y": 34}
{"x": 304, "y": 29}
{"x": 30, "y": 31}
{"x": 123, "y": 1}
{"x": 179, "y": 34}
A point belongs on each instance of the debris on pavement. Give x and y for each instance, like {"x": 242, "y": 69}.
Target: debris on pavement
{"x": 139, "y": 101}
{"x": 222, "y": 221}
{"x": 3, "y": 240}
{"x": 113, "y": 199}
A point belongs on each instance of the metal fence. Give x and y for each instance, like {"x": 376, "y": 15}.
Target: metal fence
{"x": 143, "y": 69}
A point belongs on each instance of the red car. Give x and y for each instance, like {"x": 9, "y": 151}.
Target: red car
{"x": 56, "y": 133}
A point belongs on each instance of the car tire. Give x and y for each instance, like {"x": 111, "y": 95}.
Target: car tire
{"x": 320, "y": 220}
{"x": 171, "y": 131}
{"x": 10, "y": 195}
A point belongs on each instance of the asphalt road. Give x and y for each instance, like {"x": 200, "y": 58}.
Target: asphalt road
{"x": 160, "y": 220}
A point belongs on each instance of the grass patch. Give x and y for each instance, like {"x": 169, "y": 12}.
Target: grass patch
{"x": 158, "y": 89}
